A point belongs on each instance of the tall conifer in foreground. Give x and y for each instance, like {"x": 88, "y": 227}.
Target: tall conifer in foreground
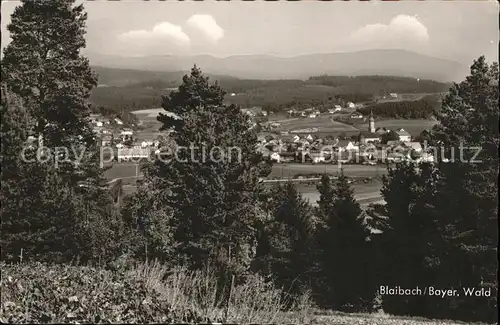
{"x": 56, "y": 219}
{"x": 213, "y": 187}
{"x": 442, "y": 219}
{"x": 286, "y": 250}
{"x": 346, "y": 251}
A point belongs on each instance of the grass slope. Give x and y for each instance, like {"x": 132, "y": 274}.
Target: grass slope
{"x": 150, "y": 293}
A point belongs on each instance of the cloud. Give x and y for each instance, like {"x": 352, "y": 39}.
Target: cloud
{"x": 401, "y": 30}
{"x": 207, "y": 25}
{"x": 161, "y": 31}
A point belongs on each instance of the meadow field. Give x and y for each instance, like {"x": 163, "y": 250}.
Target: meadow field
{"x": 324, "y": 123}
{"x": 365, "y": 193}
{"x": 293, "y": 169}
{"x": 119, "y": 170}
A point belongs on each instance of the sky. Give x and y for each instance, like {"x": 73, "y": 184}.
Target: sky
{"x": 456, "y": 30}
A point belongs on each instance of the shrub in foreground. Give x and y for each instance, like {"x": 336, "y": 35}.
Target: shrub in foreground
{"x": 37, "y": 293}
{"x": 144, "y": 293}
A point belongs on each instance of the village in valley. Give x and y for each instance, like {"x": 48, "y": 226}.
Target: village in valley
{"x": 303, "y": 144}
{"x": 307, "y": 136}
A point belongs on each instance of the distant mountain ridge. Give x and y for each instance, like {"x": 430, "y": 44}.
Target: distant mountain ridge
{"x": 372, "y": 62}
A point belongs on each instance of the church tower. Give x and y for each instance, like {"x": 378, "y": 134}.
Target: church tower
{"x": 372, "y": 123}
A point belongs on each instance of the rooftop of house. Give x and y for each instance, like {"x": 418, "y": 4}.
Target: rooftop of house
{"x": 392, "y": 142}
{"x": 369, "y": 135}
{"x": 342, "y": 143}
{"x": 414, "y": 145}
{"x": 402, "y": 132}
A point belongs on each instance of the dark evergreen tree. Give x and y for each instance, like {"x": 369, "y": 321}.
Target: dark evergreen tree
{"x": 285, "y": 252}
{"x": 213, "y": 177}
{"x": 62, "y": 209}
{"x": 346, "y": 257}
{"x": 442, "y": 219}
{"x": 326, "y": 198}
{"x": 468, "y": 202}
{"x": 409, "y": 236}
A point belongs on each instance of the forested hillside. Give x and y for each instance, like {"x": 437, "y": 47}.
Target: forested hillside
{"x": 123, "y": 89}
{"x": 408, "y": 109}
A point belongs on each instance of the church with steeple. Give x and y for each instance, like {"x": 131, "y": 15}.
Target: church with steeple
{"x": 369, "y": 135}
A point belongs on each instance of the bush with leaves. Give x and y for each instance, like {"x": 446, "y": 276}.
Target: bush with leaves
{"x": 38, "y": 293}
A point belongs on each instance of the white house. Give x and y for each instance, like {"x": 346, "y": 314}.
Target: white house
{"x": 426, "y": 157}
{"x": 118, "y": 121}
{"x": 393, "y": 95}
{"x": 312, "y": 115}
{"x": 368, "y": 137}
{"x": 276, "y": 157}
{"x": 351, "y": 105}
{"x": 356, "y": 115}
{"x": 309, "y": 138}
{"x": 127, "y": 132}
{"x": 404, "y": 136}
{"x": 346, "y": 145}
{"x": 133, "y": 153}
{"x": 248, "y": 112}
{"x": 414, "y": 146}
{"x": 318, "y": 159}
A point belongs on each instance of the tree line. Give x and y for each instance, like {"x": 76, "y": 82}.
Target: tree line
{"x": 381, "y": 85}
{"x": 438, "y": 227}
{"x": 409, "y": 109}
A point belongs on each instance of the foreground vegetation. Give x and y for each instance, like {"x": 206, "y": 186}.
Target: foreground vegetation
{"x": 150, "y": 293}
{"x": 143, "y": 293}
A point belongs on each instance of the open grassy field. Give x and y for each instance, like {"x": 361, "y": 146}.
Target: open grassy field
{"x": 290, "y": 170}
{"x": 121, "y": 170}
{"x": 148, "y": 113}
{"x": 282, "y": 93}
{"x": 278, "y": 171}
{"x": 364, "y": 193}
{"x": 323, "y": 123}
